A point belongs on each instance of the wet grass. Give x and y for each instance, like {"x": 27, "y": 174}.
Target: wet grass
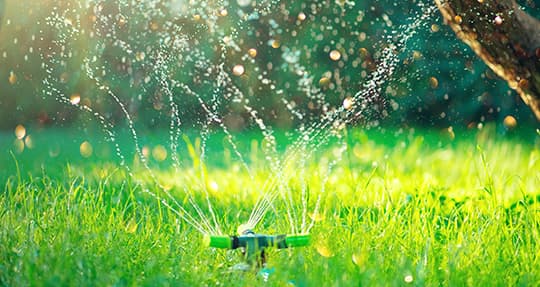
{"x": 420, "y": 208}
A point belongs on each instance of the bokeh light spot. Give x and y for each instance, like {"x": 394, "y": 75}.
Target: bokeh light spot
{"x": 86, "y": 149}
{"x": 252, "y": 52}
{"x": 18, "y": 144}
{"x": 408, "y": 279}
{"x": 20, "y": 132}
{"x": 451, "y": 133}
{"x": 12, "y": 78}
{"x": 433, "y": 82}
{"x": 498, "y": 20}
{"x": 29, "y": 142}
{"x": 316, "y": 216}
{"x": 75, "y": 99}
{"x": 348, "y": 103}
{"x": 159, "y": 153}
{"x": 335, "y": 55}
{"x": 145, "y": 151}
{"x": 131, "y": 226}
{"x": 243, "y": 3}
{"x": 238, "y": 70}
{"x": 324, "y": 250}
{"x": 510, "y": 122}
{"x": 213, "y": 186}
{"x": 324, "y": 82}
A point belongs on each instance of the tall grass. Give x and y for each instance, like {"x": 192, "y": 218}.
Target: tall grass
{"x": 419, "y": 209}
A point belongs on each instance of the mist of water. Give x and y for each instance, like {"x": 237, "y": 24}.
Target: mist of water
{"x": 181, "y": 50}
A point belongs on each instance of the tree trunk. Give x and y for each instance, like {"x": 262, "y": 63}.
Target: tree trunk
{"x": 505, "y": 37}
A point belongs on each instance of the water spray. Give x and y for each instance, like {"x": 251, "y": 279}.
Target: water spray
{"x": 253, "y": 245}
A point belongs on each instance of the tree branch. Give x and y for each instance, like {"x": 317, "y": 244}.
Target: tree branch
{"x": 505, "y": 37}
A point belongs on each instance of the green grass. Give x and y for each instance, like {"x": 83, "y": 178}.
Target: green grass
{"x": 420, "y": 206}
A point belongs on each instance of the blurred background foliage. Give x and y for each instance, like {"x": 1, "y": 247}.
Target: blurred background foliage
{"x": 439, "y": 83}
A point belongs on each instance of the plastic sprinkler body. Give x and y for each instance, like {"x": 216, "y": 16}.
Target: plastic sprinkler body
{"x": 253, "y": 245}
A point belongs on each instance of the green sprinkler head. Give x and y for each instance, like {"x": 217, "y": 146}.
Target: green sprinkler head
{"x": 253, "y": 245}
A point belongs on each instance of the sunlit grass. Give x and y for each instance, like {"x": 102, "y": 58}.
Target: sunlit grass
{"x": 422, "y": 208}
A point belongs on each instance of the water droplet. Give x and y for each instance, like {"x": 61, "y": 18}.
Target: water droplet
{"x": 243, "y": 228}
{"x": 301, "y": 16}
{"x": 243, "y": 3}
{"x": 458, "y": 19}
{"x": 145, "y": 151}
{"x": 408, "y": 279}
{"x": 20, "y": 132}
{"x": 498, "y": 20}
{"x": 75, "y": 99}
{"x": 435, "y": 28}
{"x": 348, "y": 103}
{"x": 154, "y": 26}
{"x": 68, "y": 22}
{"x": 139, "y": 56}
{"x": 86, "y": 149}
{"x": 362, "y": 36}
{"x": 324, "y": 82}
{"x": 275, "y": 44}
{"x": 335, "y": 55}
{"x": 12, "y": 78}
{"x": 238, "y": 70}
{"x": 450, "y": 132}
{"x": 121, "y": 20}
{"x": 223, "y": 12}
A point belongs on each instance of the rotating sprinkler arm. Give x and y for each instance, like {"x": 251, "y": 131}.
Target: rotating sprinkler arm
{"x": 261, "y": 241}
{"x": 253, "y": 244}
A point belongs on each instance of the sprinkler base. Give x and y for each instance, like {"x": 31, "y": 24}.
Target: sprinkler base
{"x": 253, "y": 245}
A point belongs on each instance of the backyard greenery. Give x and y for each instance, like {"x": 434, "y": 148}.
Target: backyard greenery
{"x": 456, "y": 208}
{"x": 139, "y": 137}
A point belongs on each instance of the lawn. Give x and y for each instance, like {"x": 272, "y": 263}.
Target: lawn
{"x": 438, "y": 207}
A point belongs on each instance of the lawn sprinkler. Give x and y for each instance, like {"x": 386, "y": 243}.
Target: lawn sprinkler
{"x": 253, "y": 245}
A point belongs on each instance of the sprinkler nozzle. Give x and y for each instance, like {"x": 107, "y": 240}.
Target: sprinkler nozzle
{"x": 217, "y": 241}
{"x": 297, "y": 240}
